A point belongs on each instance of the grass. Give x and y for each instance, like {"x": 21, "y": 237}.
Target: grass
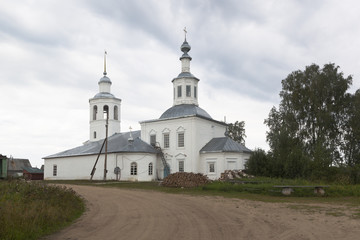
{"x": 32, "y": 210}
{"x": 263, "y": 191}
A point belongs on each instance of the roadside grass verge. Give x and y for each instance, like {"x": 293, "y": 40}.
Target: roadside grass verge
{"x": 261, "y": 189}
{"x": 29, "y": 210}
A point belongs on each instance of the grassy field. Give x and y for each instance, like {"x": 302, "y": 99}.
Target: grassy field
{"x": 31, "y": 210}
{"x": 262, "y": 191}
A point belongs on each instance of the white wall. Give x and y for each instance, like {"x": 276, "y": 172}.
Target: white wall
{"x": 80, "y": 167}
{"x": 223, "y": 161}
{"x": 198, "y": 132}
{"x": 98, "y": 125}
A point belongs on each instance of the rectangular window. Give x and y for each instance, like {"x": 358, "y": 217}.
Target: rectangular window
{"x": 181, "y": 166}
{"x": 179, "y": 91}
{"x": 152, "y": 140}
{"x": 166, "y": 140}
{"x": 195, "y": 92}
{"x": 188, "y": 90}
{"x": 181, "y": 137}
{"x": 211, "y": 167}
{"x": 54, "y": 170}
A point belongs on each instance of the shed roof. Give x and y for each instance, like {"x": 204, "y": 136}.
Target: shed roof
{"x": 17, "y": 164}
{"x": 224, "y": 144}
{"x": 119, "y": 142}
{"x": 33, "y": 170}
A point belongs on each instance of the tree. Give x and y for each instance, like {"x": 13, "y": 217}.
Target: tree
{"x": 351, "y": 142}
{"x": 309, "y": 124}
{"x": 258, "y": 164}
{"x": 236, "y": 131}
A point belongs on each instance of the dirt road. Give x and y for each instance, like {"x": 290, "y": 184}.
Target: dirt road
{"x": 134, "y": 214}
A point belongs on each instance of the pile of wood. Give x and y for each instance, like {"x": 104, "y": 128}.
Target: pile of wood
{"x": 233, "y": 174}
{"x": 184, "y": 179}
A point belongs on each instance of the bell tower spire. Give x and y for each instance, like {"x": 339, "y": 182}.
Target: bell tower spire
{"x": 105, "y": 53}
{"x": 185, "y": 84}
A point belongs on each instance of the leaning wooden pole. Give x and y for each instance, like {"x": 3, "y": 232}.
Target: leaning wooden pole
{"x": 106, "y": 144}
{"x": 97, "y": 159}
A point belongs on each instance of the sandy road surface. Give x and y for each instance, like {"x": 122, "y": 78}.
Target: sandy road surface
{"x": 134, "y": 214}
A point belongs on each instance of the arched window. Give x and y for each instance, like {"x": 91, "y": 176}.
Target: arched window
{"x": 116, "y": 113}
{"x": 94, "y": 112}
{"x": 106, "y": 111}
{"x": 150, "y": 169}
{"x": 133, "y": 168}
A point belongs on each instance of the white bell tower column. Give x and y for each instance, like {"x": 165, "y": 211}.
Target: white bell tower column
{"x": 102, "y": 106}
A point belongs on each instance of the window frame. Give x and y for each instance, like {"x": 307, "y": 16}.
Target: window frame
{"x": 166, "y": 140}
{"x": 188, "y": 91}
{"x": 179, "y": 91}
{"x": 95, "y": 110}
{"x": 106, "y": 112}
{"x": 181, "y": 165}
{"x": 133, "y": 169}
{"x": 116, "y": 113}
{"x": 211, "y": 167}
{"x": 182, "y": 133}
{"x": 153, "y": 141}
{"x": 55, "y": 170}
{"x": 150, "y": 169}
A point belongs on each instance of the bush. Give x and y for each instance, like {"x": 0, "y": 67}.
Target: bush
{"x": 30, "y": 210}
{"x": 258, "y": 164}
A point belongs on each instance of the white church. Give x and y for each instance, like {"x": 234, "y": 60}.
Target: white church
{"x": 184, "y": 139}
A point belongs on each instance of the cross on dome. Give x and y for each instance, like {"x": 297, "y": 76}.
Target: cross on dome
{"x": 130, "y": 139}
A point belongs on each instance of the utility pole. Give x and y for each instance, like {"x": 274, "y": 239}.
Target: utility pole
{"x": 106, "y": 143}
{"x": 94, "y": 168}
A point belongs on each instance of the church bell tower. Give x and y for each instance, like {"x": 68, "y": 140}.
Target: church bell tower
{"x": 185, "y": 84}
{"x": 104, "y": 106}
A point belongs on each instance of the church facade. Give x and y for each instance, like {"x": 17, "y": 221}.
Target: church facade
{"x": 184, "y": 139}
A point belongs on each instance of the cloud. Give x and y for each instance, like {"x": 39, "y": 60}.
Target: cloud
{"x": 52, "y": 59}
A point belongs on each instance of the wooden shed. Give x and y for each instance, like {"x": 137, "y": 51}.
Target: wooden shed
{"x": 31, "y": 173}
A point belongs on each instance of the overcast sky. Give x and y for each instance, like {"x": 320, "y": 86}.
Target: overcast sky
{"x": 51, "y": 59}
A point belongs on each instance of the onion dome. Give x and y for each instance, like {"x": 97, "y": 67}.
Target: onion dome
{"x": 185, "y": 48}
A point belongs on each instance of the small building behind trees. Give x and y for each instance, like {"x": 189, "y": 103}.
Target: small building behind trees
{"x": 31, "y": 173}
{"x": 15, "y": 166}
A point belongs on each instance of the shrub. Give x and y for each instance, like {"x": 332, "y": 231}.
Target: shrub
{"x": 30, "y": 210}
